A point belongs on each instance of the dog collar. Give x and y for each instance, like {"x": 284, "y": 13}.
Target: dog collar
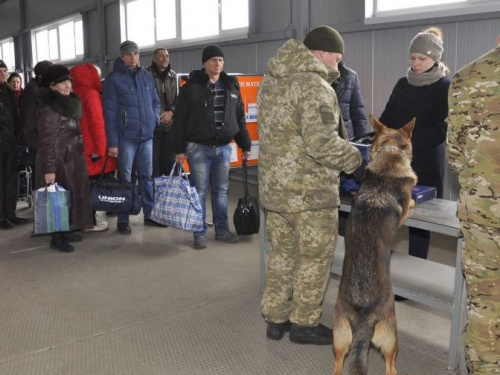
{"x": 393, "y": 149}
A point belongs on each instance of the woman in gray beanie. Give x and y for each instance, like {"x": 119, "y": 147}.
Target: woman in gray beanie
{"x": 423, "y": 94}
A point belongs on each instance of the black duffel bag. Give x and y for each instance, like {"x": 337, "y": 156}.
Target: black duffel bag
{"x": 246, "y": 216}
{"x": 115, "y": 195}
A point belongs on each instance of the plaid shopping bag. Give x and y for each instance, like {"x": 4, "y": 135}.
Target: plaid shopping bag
{"x": 176, "y": 202}
{"x": 51, "y": 209}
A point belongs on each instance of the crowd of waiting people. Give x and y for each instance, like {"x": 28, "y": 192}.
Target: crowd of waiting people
{"x": 73, "y": 128}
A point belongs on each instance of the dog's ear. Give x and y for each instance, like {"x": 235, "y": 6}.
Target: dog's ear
{"x": 408, "y": 128}
{"x": 378, "y": 127}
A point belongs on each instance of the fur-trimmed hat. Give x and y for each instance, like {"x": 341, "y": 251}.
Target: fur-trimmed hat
{"x": 324, "y": 38}
{"x": 428, "y": 42}
{"x": 210, "y": 51}
{"x": 41, "y": 66}
{"x": 54, "y": 74}
{"x": 3, "y": 65}
{"x": 128, "y": 46}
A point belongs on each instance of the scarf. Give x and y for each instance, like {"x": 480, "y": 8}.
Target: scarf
{"x": 437, "y": 72}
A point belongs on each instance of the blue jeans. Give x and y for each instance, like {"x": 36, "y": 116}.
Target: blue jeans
{"x": 211, "y": 165}
{"x": 142, "y": 152}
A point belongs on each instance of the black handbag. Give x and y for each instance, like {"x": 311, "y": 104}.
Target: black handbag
{"x": 115, "y": 195}
{"x": 246, "y": 217}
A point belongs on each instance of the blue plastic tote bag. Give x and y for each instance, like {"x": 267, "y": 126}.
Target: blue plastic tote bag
{"x": 176, "y": 202}
{"x": 51, "y": 209}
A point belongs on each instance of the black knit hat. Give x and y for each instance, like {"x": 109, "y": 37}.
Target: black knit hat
{"x": 3, "y": 65}
{"x": 324, "y": 38}
{"x": 128, "y": 46}
{"x": 41, "y": 66}
{"x": 54, "y": 74}
{"x": 210, "y": 51}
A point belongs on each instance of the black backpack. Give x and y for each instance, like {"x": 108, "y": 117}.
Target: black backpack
{"x": 246, "y": 216}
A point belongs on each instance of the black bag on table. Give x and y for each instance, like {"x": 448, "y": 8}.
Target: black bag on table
{"x": 246, "y": 216}
{"x": 115, "y": 195}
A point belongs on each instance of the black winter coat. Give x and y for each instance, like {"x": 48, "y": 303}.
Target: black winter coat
{"x": 194, "y": 114}
{"x": 9, "y": 127}
{"x": 429, "y": 105}
{"x": 350, "y": 101}
{"x": 60, "y": 151}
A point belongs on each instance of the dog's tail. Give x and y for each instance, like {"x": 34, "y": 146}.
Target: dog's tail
{"x": 360, "y": 346}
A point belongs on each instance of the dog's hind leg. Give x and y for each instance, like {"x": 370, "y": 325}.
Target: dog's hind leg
{"x": 342, "y": 339}
{"x": 385, "y": 338}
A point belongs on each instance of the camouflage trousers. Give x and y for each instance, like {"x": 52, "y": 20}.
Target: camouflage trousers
{"x": 299, "y": 265}
{"x": 481, "y": 267}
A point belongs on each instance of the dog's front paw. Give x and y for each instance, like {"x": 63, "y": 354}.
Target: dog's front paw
{"x": 412, "y": 203}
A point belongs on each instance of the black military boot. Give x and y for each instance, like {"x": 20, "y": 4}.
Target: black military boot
{"x": 276, "y": 331}
{"x": 319, "y": 335}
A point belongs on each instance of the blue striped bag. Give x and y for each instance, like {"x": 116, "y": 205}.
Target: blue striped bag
{"x": 51, "y": 209}
{"x": 176, "y": 202}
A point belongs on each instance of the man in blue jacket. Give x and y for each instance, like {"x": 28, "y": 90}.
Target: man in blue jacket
{"x": 131, "y": 113}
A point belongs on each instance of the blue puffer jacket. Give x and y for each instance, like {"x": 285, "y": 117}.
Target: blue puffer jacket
{"x": 350, "y": 101}
{"x": 131, "y": 105}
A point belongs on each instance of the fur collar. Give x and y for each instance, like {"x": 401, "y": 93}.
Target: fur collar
{"x": 68, "y": 106}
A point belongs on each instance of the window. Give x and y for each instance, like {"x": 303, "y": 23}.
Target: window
{"x": 147, "y": 22}
{"x": 7, "y": 53}
{"x": 59, "y": 41}
{"x": 379, "y": 11}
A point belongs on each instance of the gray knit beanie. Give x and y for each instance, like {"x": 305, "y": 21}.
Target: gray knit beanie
{"x": 128, "y": 46}
{"x": 429, "y": 42}
{"x": 324, "y": 38}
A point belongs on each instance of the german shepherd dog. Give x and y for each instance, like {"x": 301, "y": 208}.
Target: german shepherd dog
{"x": 364, "y": 311}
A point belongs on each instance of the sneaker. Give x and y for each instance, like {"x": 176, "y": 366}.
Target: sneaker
{"x": 99, "y": 227}
{"x": 60, "y": 243}
{"x": 276, "y": 331}
{"x": 200, "y": 241}
{"x": 227, "y": 237}
{"x": 319, "y": 335}
{"x": 124, "y": 228}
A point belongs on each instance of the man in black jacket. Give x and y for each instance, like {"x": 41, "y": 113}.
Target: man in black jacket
{"x": 166, "y": 86}
{"x": 208, "y": 115}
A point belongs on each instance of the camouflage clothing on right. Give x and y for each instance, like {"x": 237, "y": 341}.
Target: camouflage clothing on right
{"x": 473, "y": 152}
{"x": 300, "y": 158}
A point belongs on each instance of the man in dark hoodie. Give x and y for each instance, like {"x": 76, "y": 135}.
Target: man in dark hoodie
{"x": 208, "y": 115}
{"x": 166, "y": 87}
{"x": 131, "y": 114}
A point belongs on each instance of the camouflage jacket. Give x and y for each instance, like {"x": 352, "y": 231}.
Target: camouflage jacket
{"x": 473, "y": 138}
{"x": 300, "y": 151}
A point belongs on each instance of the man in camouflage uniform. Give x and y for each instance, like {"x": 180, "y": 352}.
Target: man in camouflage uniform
{"x": 301, "y": 156}
{"x": 473, "y": 151}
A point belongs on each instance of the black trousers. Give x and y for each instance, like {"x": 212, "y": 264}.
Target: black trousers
{"x": 8, "y": 185}
{"x": 163, "y": 153}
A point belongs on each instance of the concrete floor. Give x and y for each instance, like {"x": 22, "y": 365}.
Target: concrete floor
{"x": 148, "y": 304}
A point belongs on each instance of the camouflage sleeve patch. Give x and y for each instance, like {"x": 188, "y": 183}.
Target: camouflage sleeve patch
{"x": 327, "y": 114}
